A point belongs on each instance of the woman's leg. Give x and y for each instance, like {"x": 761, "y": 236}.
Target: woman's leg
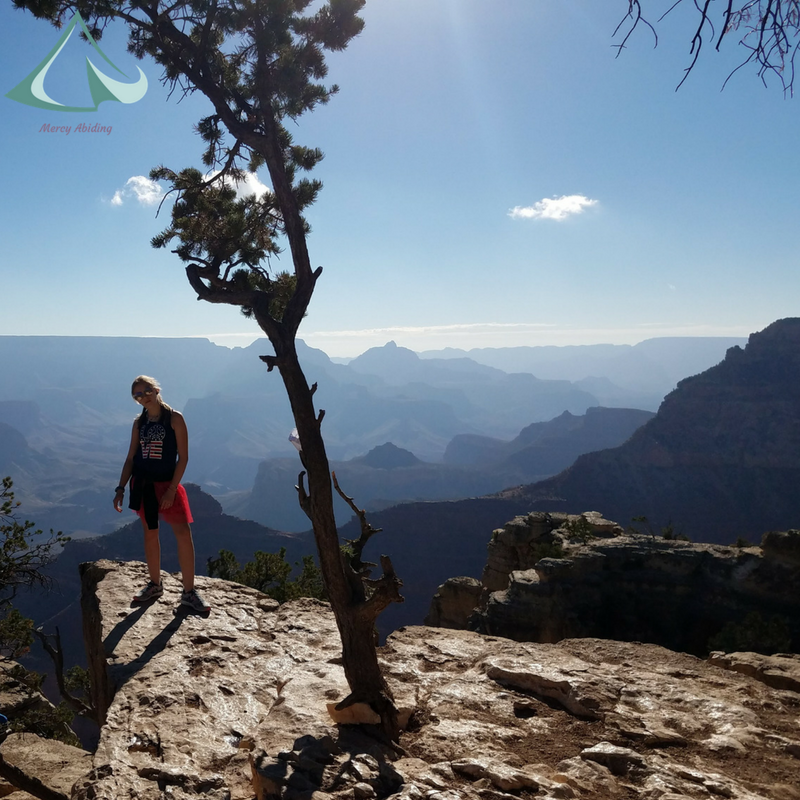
{"x": 183, "y": 535}
{"x": 152, "y": 552}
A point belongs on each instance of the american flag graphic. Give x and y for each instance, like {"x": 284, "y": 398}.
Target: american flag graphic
{"x": 152, "y": 449}
{"x": 152, "y": 443}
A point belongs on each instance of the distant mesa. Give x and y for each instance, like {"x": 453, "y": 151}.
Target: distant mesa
{"x": 399, "y": 365}
{"x": 473, "y": 466}
{"x": 24, "y": 415}
{"x": 64, "y": 394}
{"x": 720, "y": 459}
{"x": 202, "y": 504}
{"x": 12, "y": 443}
{"x": 549, "y": 447}
{"x": 388, "y": 456}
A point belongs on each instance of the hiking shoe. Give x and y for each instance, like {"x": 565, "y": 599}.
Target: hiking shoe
{"x": 193, "y": 601}
{"x": 150, "y": 592}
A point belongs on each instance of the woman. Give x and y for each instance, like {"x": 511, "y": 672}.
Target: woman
{"x": 156, "y": 461}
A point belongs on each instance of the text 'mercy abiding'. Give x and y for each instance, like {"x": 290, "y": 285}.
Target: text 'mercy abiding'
{"x": 81, "y": 128}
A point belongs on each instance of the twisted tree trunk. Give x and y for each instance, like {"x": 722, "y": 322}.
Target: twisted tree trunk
{"x": 354, "y": 606}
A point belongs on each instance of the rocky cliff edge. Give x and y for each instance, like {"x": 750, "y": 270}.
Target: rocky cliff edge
{"x": 233, "y": 707}
{"x": 552, "y": 576}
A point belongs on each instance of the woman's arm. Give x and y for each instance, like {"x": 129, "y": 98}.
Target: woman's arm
{"x": 182, "y": 440}
{"x": 127, "y": 467}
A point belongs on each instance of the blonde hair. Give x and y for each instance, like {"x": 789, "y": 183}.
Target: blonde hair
{"x": 151, "y": 383}
{"x": 147, "y": 381}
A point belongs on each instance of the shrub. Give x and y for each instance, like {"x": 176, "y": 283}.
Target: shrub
{"x": 754, "y": 634}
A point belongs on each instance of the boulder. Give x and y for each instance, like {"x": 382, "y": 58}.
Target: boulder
{"x": 454, "y": 603}
{"x": 57, "y": 765}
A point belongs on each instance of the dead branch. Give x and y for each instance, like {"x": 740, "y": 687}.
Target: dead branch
{"x": 57, "y": 657}
{"x": 270, "y": 361}
{"x": 367, "y": 531}
{"x": 386, "y": 589}
{"x": 768, "y": 29}
{"x": 635, "y": 16}
{"x": 302, "y": 495}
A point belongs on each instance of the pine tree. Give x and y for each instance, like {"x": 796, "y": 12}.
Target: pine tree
{"x": 261, "y": 64}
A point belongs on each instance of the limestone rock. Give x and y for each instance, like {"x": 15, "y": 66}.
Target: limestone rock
{"x": 780, "y": 671}
{"x": 233, "y": 706}
{"x": 454, "y": 603}
{"x": 620, "y": 760}
{"x": 57, "y": 765}
{"x": 782, "y": 546}
{"x": 188, "y": 696}
{"x": 16, "y": 696}
{"x": 599, "y": 719}
{"x": 551, "y": 576}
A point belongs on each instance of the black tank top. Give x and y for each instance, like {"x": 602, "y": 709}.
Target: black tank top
{"x": 157, "y": 454}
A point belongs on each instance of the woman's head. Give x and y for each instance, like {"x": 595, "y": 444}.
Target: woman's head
{"x": 145, "y": 387}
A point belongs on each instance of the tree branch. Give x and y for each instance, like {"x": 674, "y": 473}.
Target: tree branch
{"x": 770, "y": 31}
{"x": 302, "y": 495}
{"x": 246, "y": 297}
{"x": 635, "y": 15}
{"x": 386, "y": 589}
{"x": 57, "y": 657}
{"x": 270, "y": 361}
{"x": 367, "y": 531}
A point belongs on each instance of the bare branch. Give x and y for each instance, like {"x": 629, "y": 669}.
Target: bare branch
{"x": 302, "y": 495}
{"x": 57, "y": 657}
{"x": 270, "y": 361}
{"x": 769, "y": 31}
{"x": 726, "y": 25}
{"x": 367, "y": 531}
{"x": 635, "y": 15}
{"x": 386, "y": 589}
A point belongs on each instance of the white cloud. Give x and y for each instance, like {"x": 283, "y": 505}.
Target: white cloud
{"x": 145, "y": 191}
{"x": 150, "y": 193}
{"x": 244, "y": 188}
{"x": 557, "y": 208}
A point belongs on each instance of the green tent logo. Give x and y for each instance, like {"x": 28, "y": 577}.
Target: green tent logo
{"x": 31, "y": 91}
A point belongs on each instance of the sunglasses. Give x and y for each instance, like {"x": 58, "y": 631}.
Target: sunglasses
{"x": 140, "y": 395}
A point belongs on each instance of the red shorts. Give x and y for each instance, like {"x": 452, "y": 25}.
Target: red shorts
{"x": 179, "y": 511}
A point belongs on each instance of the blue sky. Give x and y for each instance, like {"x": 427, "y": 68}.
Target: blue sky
{"x": 451, "y": 115}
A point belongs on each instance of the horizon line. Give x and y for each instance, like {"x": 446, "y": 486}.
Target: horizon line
{"x": 459, "y": 336}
